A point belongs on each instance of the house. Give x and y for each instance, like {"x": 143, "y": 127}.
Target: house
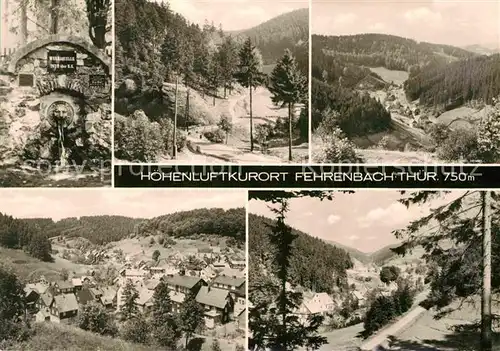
{"x": 152, "y": 283}
{"x": 77, "y": 283}
{"x": 231, "y": 284}
{"x": 84, "y": 296}
{"x": 46, "y": 300}
{"x": 109, "y": 297}
{"x": 64, "y": 307}
{"x": 240, "y": 301}
{"x": 237, "y": 264}
{"x": 219, "y": 264}
{"x": 217, "y": 303}
{"x": 145, "y": 300}
{"x": 360, "y": 297}
{"x": 185, "y": 284}
{"x": 31, "y": 297}
{"x": 319, "y": 303}
{"x": 43, "y": 315}
{"x": 157, "y": 270}
{"x": 241, "y": 320}
{"x": 232, "y": 272}
{"x": 63, "y": 287}
{"x": 171, "y": 271}
{"x": 133, "y": 273}
{"x": 96, "y": 294}
{"x": 177, "y": 299}
{"x": 208, "y": 273}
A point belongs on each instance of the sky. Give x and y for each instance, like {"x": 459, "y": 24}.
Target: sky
{"x": 363, "y": 220}
{"x": 458, "y": 23}
{"x": 234, "y": 14}
{"x": 137, "y": 203}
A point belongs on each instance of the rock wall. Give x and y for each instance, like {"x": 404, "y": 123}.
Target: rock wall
{"x": 36, "y": 94}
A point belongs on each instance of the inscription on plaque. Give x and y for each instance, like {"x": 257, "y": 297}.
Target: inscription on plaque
{"x": 61, "y": 61}
{"x": 26, "y": 80}
{"x": 97, "y": 81}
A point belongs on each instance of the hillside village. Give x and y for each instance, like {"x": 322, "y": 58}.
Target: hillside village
{"x": 217, "y": 279}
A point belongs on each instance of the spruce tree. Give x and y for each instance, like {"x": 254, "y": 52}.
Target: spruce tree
{"x": 191, "y": 316}
{"x": 165, "y": 328}
{"x": 129, "y": 308}
{"x": 289, "y": 87}
{"x": 249, "y": 74}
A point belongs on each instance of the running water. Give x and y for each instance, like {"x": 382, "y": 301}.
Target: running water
{"x": 62, "y": 150}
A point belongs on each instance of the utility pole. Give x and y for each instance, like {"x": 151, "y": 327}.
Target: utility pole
{"x": 174, "y": 142}
{"x": 290, "y": 129}
{"x": 251, "y": 119}
{"x": 486, "y": 340}
{"x": 187, "y": 111}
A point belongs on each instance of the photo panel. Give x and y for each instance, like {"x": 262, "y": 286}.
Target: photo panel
{"x": 123, "y": 269}
{"x": 212, "y": 82}
{"x": 373, "y": 270}
{"x": 400, "y": 82}
{"x": 55, "y": 93}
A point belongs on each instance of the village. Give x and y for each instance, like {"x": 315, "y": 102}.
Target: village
{"x": 217, "y": 278}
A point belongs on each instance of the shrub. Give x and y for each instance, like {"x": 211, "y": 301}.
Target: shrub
{"x": 218, "y": 136}
{"x": 389, "y": 274}
{"x": 460, "y": 145}
{"x": 335, "y": 148}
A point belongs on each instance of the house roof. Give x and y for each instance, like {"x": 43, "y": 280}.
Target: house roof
{"x": 152, "y": 284}
{"x": 47, "y": 298}
{"x": 64, "y": 284}
{"x": 38, "y": 287}
{"x": 213, "y": 297}
{"x": 323, "y": 298}
{"x": 108, "y": 295}
{"x": 145, "y": 295}
{"x": 96, "y": 292}
{"x": 135, "y": 272}
{"x": 184, "y": 281}
{"x": 223, "y": 279}
{"x": 66, "y": 302}
{"x": 76, "y": 281}
{"x": 84, "y": 296}
{"x": 177, "y": 297}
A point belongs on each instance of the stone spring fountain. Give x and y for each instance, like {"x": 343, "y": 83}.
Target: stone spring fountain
{"x": 58, "y": 106}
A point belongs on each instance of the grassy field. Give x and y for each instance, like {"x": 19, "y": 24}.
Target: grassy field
{"x": 397, "y": 77}
{"x": 26, "y": 266}
{"x": 57, "y": 337}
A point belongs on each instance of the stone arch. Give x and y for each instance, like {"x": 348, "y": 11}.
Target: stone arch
{"x": 54, "y": 39}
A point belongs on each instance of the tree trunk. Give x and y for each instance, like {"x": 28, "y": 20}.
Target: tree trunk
{"x": 24, "y": 23}
{"x": 227, "y": 135}
{"x": 187, "y": 111}
{"x": 54, "y": 16}
{"x": 215, "y": 93}
{"x": 289, "y": 131}
{"x": 486, "y": 340}
{"x": 251, "y": 120}
{"x": 174, "y": 142}
{"x": 225, "y": 90}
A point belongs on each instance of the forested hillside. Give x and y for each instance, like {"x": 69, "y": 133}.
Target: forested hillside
{"x": 451, "y": 85}
{"x": 18, "y": 234}
{"x": 389, "y": 51}
{"x": 230, "y": 223}
{"x": 287, "y": 31}
{"x": 326, "y": 274}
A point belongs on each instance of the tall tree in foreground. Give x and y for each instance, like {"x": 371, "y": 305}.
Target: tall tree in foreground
{"x": 97, "y": 14}
{"x": 460, "y": 246}
{"x": 274, "y": 324}
{"x": 165, "y": 329}
{"x": 129, "y": 308}
{"x": 191, "y": 316}
{"x": 225, "y": 125}
{"x": 228, "y": 58}
{"x": 12, "y": 306}
{"x": 289, "y": 87}
{"x": 249, "y": 74}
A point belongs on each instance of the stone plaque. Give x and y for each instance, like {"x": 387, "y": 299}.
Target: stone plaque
{"x": 61, "y": 61}
{"x": 26, "y": 80}
{"x": 97, "y": 81}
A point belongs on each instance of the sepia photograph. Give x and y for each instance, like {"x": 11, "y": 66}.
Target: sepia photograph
{"x": 129, "y": 270}
{"x": 374, "y": 270}
{"x": 405, "y": 81}
{"x": 55, "y": 93}
{"x": 211, "y": 82}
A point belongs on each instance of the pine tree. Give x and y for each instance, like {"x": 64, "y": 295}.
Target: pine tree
{"x": 12, "y": 306}
{"x": 249, "y": 74}
{"x": 289, "y": 87}
{"x": 225, "y": 125}
{"x": 165, "y": 328}
{"x": 129, "y": 309}
{"x": 191, "y": 316}
{"x": 465, "y": 266}
{"x": 97, "y": 14}
{"x": 228, "y": 60}
{"x": 137, "y": 330}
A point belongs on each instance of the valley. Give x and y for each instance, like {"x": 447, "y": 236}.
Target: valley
{"x": 425, "y": 116}
{"x": 217, "y": 92}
